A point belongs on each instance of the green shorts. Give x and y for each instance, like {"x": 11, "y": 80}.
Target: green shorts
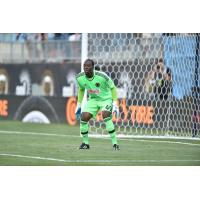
{"x": 93, "y": 106}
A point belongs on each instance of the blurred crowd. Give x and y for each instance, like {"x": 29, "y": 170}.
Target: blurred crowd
{"x": 36, "y": 37}
{"x": 158, "y": 82}
{"x": 41, "y": 47}
{"x": 22, "y": 37}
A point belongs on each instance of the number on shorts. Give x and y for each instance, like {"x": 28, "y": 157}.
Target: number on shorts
{"x": 109, "y": 108}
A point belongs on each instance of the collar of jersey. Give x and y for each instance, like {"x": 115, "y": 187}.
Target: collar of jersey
{"x": 90, "y": 79}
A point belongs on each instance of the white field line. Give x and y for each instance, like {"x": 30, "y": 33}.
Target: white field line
{"x": 36, "y": 133}
{"x": 93, "y": 161}
{"x": 158, "y": 137}
{"x": 170, "y": 142}
{"x": 97, "y": 136}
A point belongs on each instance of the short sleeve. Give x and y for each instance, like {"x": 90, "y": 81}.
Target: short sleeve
{"x": 79, "y": 84}
{"x": 110, "y": 83}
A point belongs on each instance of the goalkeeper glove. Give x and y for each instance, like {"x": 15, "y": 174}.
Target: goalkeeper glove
{"x": 116, "y": 109}
{"x": 78, "y": 111}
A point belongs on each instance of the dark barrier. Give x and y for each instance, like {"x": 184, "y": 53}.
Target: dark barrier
{"x": 45, "y": 93}
{"x": 38, "y": 92}
{"x": 163, "y": 115}
{"x": 38, "y": 109}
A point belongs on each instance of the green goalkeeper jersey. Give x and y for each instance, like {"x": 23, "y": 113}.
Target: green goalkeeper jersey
{"x": 99, "y": 87}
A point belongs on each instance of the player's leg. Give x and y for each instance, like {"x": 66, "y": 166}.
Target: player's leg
{"x": 85, "y": 117}
{"x": 88, "y": 112}
{"x": 107, "y": 117}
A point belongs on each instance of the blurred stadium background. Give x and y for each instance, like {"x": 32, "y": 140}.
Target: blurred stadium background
{"x": 158, "y": 80}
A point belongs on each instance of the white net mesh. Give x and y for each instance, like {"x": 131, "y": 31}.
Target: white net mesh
{"x": 158, "y": 79}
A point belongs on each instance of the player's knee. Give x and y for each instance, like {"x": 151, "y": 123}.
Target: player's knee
{"x": 106, "y": 114}
{"x": 85, "y": 116}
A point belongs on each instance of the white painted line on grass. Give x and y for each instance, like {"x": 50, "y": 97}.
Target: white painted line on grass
{"x": 93, "y": 161}
{"x": 101, "y": 137}
{"x": 148, "y": 140}
{"x": 31, "y": 157}
{"x": 36, "y": 133}
{"x": 171, "y": 142}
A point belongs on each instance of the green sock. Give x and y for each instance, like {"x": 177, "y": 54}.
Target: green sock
{"x": 84, "y": 131}
{"x": 111, "y": 129}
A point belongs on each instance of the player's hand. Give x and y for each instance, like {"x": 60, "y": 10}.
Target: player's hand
{"x": 116, "y": 109}
{"x": 78, "y": 111}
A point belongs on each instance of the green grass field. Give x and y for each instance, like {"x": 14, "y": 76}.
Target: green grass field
{"x": 27, "y": 144}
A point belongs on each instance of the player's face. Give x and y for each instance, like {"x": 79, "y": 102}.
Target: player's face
{"x": 88, "y": 69}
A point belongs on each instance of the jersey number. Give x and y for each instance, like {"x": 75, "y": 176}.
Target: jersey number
{"x": 109, "y": 108}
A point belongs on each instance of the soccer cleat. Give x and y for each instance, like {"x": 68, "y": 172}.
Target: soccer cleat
{"x": 116, "y": 147}
{"x": 84, "y": 146}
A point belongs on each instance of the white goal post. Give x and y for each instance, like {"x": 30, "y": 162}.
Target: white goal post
{"x": 157, "y": 78}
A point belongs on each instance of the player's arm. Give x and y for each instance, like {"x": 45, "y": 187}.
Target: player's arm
{"x": 114, "y": 93}
{"x": 114, "y": 96}
{"x": 80, "y": 95}
{"x": 81, "y": 92}
{"x": 113, "y": 89}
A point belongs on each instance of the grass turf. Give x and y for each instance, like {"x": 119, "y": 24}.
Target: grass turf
{"x": 29, "y": 144}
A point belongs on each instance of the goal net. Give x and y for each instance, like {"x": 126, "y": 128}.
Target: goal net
{"x": 157, "y": 78}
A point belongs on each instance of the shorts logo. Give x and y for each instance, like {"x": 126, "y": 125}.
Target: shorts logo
{"x": 97, "y": 84}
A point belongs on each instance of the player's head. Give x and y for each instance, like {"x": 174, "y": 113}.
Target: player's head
{"x": 88, "y": 67}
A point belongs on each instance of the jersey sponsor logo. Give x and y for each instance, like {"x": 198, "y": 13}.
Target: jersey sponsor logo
{"x": 97, "y": 84}
{"x": 93, "y": 91}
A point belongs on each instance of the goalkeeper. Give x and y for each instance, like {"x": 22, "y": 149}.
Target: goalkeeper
{"x": 102, "y": 96}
